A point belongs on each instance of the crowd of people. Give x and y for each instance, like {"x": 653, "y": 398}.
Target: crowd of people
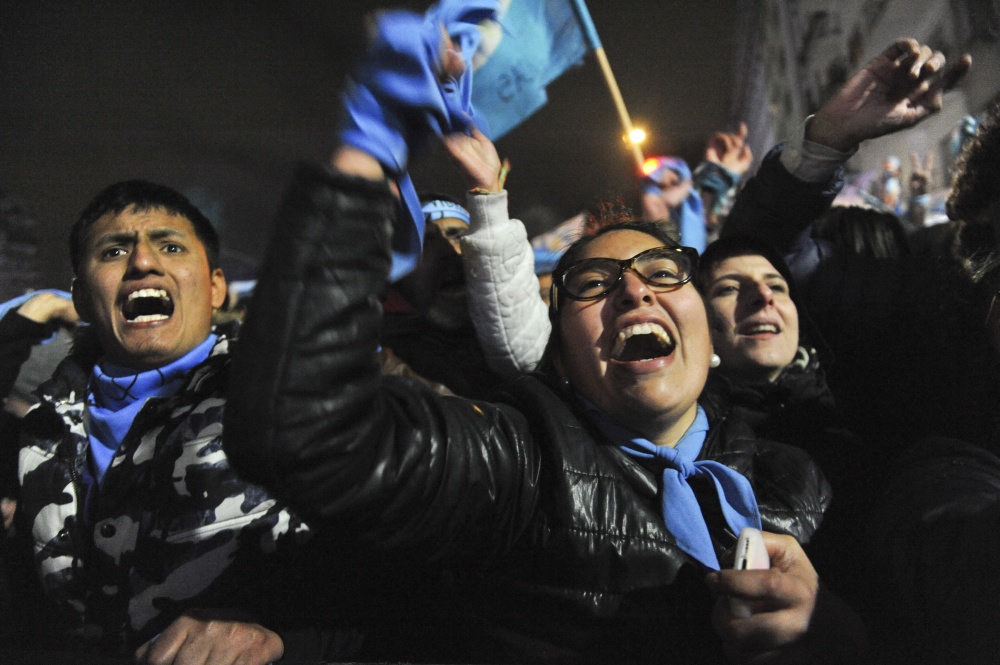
{"x": 415, "y": 453}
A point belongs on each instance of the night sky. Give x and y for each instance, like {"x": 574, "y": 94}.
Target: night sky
{"x": 221, "y": 99}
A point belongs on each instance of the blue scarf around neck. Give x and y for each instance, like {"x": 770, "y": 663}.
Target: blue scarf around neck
{"x": 681, "y": 511}
{"x": 117, "y": 394}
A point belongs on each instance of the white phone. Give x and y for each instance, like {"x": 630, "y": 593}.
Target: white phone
{"x": 751, "y": 554}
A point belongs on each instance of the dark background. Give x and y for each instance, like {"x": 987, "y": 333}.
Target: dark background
{"x": 220, "y": 99}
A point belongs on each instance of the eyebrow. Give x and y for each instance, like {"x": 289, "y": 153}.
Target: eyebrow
{"x": 126, "y": 237}
{"x": 738, "y": 276}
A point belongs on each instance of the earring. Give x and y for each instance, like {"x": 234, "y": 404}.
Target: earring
{"x": 565, "y": 383}
{"x": 714, "y": 360}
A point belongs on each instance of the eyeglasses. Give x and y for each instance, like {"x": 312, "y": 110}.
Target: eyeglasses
{"x": 662, "y": 267}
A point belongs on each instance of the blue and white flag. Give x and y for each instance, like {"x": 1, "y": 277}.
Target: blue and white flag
{"x": 533, "y": 44}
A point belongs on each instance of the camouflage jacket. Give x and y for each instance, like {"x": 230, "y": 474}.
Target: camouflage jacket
{"x": 172, "y": 527}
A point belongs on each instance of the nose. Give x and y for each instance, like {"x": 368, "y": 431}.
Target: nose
{"x": 762, "y": 294}
{"x": 631, "y": 291}
{"x": 144, "y": 259}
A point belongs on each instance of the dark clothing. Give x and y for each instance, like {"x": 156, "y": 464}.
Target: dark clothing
{"x": 910, "y": 352}
{"x": 17, "y": 335}
{"x": 171, "y": 528}
{"x": 452, "y": 358}
{"x": 932, "y": 551}
{"x": 792, "y": 409}
{"x": 550, "y": 541}
{"x": 798, "y": 408}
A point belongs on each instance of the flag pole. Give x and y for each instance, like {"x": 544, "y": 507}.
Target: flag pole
{"x": 609, "y": 76}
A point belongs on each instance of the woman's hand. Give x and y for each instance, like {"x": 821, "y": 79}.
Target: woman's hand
{"x": 795, "y": 619}
{"x": 193, "y": 641}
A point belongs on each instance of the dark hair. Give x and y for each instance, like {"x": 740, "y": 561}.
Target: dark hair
{"x": 142, "y": 196}
{"x": 974, "y": 188}
{"x": 427, "y": 197}
{"x": 973, "y": 192}
{"x": 572, "y": 255}
{"x": 863, "y": 231}
{"x": 727, "y": 248}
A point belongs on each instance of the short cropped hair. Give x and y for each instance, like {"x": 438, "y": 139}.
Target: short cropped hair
{"x": 142, "y": 196}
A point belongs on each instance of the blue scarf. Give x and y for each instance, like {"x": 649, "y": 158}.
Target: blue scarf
{"x": 118, "y": 394}
{"x": 681, "y": 512}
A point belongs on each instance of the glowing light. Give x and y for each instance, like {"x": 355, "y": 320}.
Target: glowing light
{"x": 650, "y": 165}
{"x": 637, "y": 135}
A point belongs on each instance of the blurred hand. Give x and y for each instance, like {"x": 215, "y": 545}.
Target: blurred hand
{"x": 46, "y": 307}
{"x": 672, "y": 191}
{"x": 654, "y": 208}
{"x": 730, "y": 151}
{"x": 896, "y": 90}
{"x": 920, "y": 174}
{"x": 794, "y": 619}
{"x": 8, "y": 507}
{"x": 192, "y": 641}
{"x": 450, "y": 63}
{"x": 477, "y": 157}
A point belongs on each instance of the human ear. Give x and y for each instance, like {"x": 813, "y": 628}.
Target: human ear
{"x": 218, "y": 288}
{"x": 79, "y": 299}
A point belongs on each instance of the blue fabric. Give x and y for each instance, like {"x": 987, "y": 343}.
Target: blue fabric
{"x": 394, "y": 102}
{"x": 690, "y": 215}
{"x": 14, "y": 303}
{"x": 681, "y": 512}
{"x": 118, "y": 394}
{"x": 546, "y": 259}
{"x": 540, "y": 41}
{"x": 441, "y": 209}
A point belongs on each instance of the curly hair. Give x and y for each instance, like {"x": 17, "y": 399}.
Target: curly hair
{"x": 975, "y": 187}
{"x": 974, "y": 191}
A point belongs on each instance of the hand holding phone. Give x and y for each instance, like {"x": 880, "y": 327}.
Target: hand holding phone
{"x": 751, "y": 554}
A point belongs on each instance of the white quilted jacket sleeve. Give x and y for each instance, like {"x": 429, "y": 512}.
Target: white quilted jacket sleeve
{"x": 510, "y": 317}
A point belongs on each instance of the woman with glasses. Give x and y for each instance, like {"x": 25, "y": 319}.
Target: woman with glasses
{"x": 576, "y": 516}
{"x": 584, "y": 515}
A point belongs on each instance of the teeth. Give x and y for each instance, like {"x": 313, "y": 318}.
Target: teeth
{"x": 762, "y": 328}
{"x": 150, "y": 317}
{"x": 149, "y": 293}
{"x": 640, "y": 329}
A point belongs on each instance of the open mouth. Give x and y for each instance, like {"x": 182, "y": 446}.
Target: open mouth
{"x": 760, "y": 329}
{"x": 147, "y": 305}
{"x": 643, "y": 341}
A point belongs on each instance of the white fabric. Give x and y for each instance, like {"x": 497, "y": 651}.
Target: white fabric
{"x": 809, "y": 161}
{"x": 511, "y": 320}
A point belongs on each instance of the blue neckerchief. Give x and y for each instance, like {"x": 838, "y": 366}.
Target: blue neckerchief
{"x": 681, "y": 512}
{"x": 117, "y": 395}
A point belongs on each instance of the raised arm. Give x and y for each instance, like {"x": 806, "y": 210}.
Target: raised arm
{"x": 899, "y": 88}
{"x": 510, "y": 318}
{"x": 379, "y": 459}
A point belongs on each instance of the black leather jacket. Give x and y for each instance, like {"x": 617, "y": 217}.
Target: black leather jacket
{"x": 555, "y": 540}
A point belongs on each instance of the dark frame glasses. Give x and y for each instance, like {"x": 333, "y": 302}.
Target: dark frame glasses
{"x": 580, "y": 280}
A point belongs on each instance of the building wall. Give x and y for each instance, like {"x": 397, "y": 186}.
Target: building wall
{"x": 798, "y": 52}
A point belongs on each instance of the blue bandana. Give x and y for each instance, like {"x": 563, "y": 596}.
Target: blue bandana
{"x": 396, "y": 101}
{"x": 441, "y": 209}
{"x": 691, "y": 213}
{"x": 681, "y": 512}
{"x": 117, "y": 395}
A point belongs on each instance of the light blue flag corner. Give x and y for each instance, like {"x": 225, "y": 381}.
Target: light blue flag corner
{"x": 537, "y": 41}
